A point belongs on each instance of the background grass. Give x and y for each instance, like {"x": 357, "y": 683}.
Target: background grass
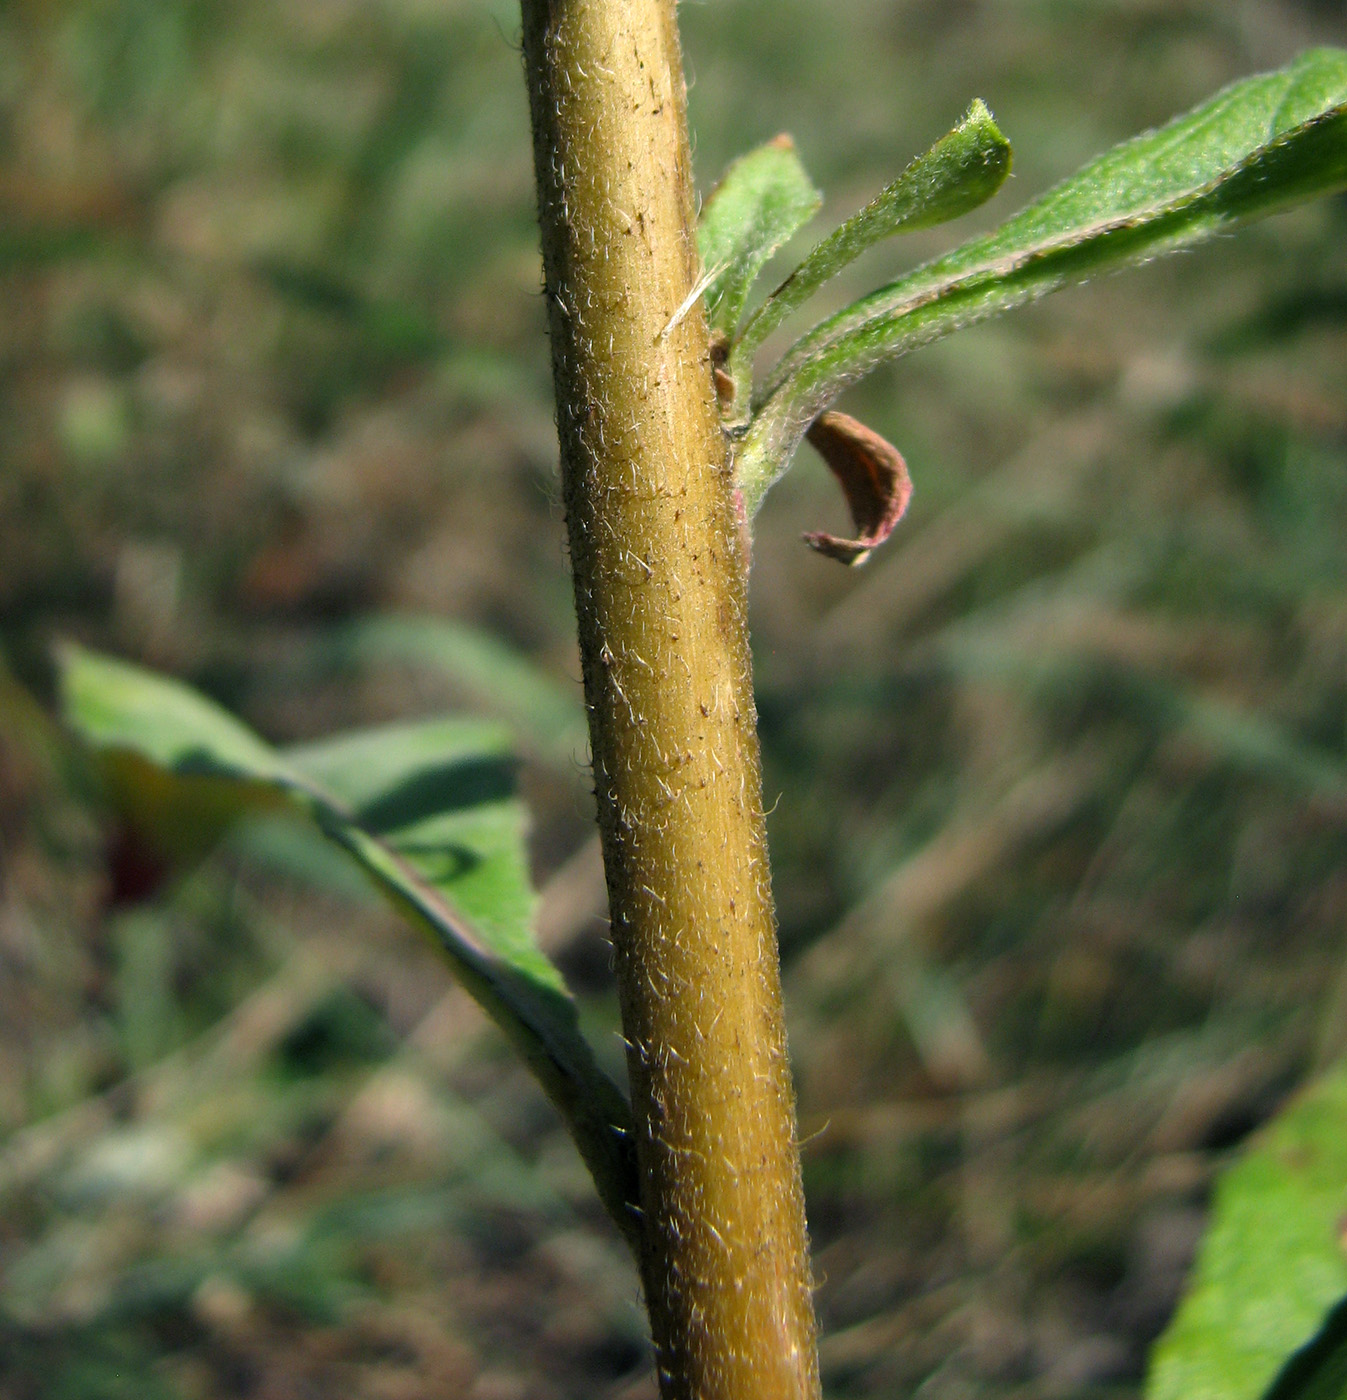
{"x": 1060, "y": 776}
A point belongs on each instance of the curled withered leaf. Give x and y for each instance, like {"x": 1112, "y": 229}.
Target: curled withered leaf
{"x": 874, "y": 480}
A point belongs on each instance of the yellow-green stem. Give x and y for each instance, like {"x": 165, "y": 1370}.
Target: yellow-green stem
{"x": 660, "y": 595}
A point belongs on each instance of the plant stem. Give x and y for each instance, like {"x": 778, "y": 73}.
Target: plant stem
{"x": 660, "y": 584}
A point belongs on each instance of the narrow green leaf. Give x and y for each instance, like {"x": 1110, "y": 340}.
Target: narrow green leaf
{"x": 1318, "y": 1371}
{"x": 1259, "y": 146}
{"x": 961, "y": 171}
{"x": 1272, "y": 1263}
{"x": 762, "y": 199}
{"x": 427, "y": 811}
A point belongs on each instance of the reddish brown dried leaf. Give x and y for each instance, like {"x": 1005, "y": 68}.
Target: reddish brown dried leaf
{"x": 874, "y": 480}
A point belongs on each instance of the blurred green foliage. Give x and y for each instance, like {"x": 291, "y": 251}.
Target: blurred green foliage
{"x": 1272, "y": 1267}
{"x": 1059, "y": 837}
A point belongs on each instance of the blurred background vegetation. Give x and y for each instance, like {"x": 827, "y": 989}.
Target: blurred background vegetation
{"x": 1060, "y": 777}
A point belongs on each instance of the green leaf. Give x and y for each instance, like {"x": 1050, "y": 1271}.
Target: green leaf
{"x": 762, "y": 199}
{"x": 547, "y": 716}
{"x": 961, "y": 171}
{"x": 1257, "y": 147}
{"x": 426, "y": 810}
{"x": 1318, "y": 1371}
{"x": 439, "y": 794}
{"x": 1272, "y": 1263}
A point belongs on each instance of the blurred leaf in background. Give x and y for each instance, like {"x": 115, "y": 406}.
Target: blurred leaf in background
{"x": 1250, "y": 1308}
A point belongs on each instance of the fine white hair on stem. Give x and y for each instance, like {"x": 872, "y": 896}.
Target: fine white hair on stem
{"x": 689, "y": 301}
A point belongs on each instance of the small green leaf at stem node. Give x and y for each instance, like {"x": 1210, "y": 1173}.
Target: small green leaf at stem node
{"x": 1260, "y": 146}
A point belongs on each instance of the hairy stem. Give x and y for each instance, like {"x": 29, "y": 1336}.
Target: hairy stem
{"x": 660, "y": 596}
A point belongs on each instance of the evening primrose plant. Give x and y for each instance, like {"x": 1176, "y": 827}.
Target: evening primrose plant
{"x": 671, "y": 434}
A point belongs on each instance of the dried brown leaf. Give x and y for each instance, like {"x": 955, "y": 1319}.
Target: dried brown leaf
{"x": 874, "y": 480}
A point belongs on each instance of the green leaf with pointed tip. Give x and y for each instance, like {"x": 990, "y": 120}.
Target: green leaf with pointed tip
{"x": 1259, "y": 146}
{"x": 426, "y": 810}
{"x": 1318, "y": 1371}
{"x": 1272, "y": 1263}
{"x": 961, "y": 171}
{"x": 762, "y": 199}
